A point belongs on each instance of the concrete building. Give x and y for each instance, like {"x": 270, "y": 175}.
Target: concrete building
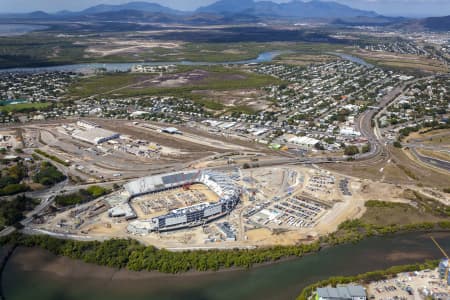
{"x": 344, "y": 292}
{"x": 348, "y": 131}
{"x": 95, "y": 135}
{"x": 171, "y": 130}
{"x": 304, "y": 142}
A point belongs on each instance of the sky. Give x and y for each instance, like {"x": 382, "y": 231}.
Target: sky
{"x": 408, "y": 8}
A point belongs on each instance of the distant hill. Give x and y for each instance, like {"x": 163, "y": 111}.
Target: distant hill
{"x": 38, "y": 15}
{"x": 293, "y": 9}
{"x": 131, "y": 6}
{"x": 431, "y": 24}
{"x": 227, "y": 6}
{"x": 369, "y": 21}
{"x": 437, "y": 23}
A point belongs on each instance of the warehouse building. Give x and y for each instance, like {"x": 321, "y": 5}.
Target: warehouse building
{"x": 171, "y": 130}
{"x": 344, "y": 292}
{"x": 95, "y": 135}
{"x": 304, "y": 142}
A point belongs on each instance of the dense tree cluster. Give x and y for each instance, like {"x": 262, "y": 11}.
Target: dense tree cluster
{"x": 10, "y": 180}
{"x": 11, "y": 212}
{"x": 48, "y": 175}
{"x": 80, "y": 197}
{"x": 52, "y": 157}
{"x": 130, "y": 254}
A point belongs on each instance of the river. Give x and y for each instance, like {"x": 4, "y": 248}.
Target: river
{"x": 36, "y": 274}
{"x": 352, "y": 58}
{"x": 18, "y": 29}
{"x": 123, "y": 67}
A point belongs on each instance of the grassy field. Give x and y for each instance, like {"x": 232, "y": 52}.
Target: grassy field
{"x": 438, "y": 140}
{"x": 44, "y": 49}
{"x": 128, "y": 84}
{"x": 38, "y": 49}
{"x": 387, "y": 213}
{"x": 216, "y": 52}
{"x": 405, "y": 63}
{"x": 300, "y": 59}
{"x": 24, "y": 107}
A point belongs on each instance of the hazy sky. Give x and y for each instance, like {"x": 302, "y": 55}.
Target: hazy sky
{"x": 386, "y": 7}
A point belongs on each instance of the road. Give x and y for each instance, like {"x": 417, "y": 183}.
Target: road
{"x": 442, "y": 164}
{"x": 373, "y": 134}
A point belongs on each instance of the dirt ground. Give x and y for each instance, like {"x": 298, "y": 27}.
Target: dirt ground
{"x": 254, "y": 99}
{"x": 193, "y": 77}
{"x": 270, "y": 182}
{"x": 397, "y": 169}
{"x": 429, "y": 279}
{"x": 112, "y": 46}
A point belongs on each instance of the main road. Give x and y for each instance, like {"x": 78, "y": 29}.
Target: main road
{"x": 442, "y": 164}
{"x": 365, "y": 121}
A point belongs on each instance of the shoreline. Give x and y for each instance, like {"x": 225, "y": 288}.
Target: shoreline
{"x": 113, "y": 273}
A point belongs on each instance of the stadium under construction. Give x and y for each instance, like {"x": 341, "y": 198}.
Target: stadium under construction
{"x": 185, "y": 217}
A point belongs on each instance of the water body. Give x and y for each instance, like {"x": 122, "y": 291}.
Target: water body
{"x": 18, "y": 29}
{"x": 352, "y": 58}
{"x": 36, "y": 274}
{"x": 123, "y": 67}
{"x": 12, "y": 101}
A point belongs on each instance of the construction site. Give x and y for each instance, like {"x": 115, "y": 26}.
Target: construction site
{"x": 222, "y": 209}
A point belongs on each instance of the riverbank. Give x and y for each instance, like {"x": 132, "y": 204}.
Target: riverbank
{"x": 131, "y": 255}
{"x": 60, "y": 277}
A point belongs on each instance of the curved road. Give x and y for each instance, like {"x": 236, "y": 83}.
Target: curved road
{"x": 442, "y": 164}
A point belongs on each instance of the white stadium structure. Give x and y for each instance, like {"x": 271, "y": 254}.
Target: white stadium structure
{"x": 191, "y": 216}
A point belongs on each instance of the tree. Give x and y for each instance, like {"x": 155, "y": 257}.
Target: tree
{"x": 365, "y": 148}
{"x": 397, "y": 144}
{"x": 351, "y": 150}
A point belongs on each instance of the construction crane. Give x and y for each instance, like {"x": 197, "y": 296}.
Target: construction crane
{"x": 445, "y": 255}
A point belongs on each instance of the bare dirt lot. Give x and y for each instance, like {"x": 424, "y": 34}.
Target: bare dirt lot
{"x": 194, "y": 77}
{"x": 112, "y": 46}
{"x": 398, "y": 168}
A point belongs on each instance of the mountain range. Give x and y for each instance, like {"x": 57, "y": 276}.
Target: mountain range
{"x": 237, "y": 11}
{"x": 293, "y": 9}
{"x": 261, "y": 9}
